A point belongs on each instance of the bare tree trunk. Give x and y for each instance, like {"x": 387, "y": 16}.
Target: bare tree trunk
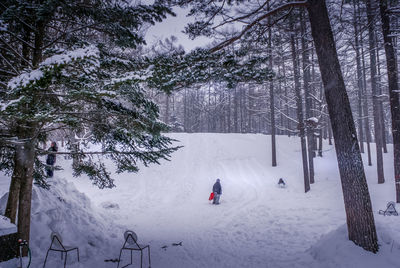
{"x": 308, "y": 103}
{"x": 229, "y": 112}
{"x": 299, "y": 104}
{"x": 365, "y": 93}
{"x": 209, "y": 109}
{"x": 272, "y": 101}
{"x": 320, "y": 128}
{"x": 381, "y": 111}
{"x": 393, "y": 91}
{"x": 360, "y": 219}
{"x": 286, "y": 110}
{"x": 359, "y": 80}
{"x": 375, "y": 93}
{"x": 185, "y": 112}
{"x": 166, "y": 109}
{"x": 329, "y": 132}
{"x": 235, "y": 111}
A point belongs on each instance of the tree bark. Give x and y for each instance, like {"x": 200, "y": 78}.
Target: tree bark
{"x": 359, "y": 80}
{"x": 13, "y": 194}
{"x": 235, "y": 111}
{"x": 365, "y": 100}
{"x": 308, "y": 103}
{"x": 166, "y": 109}
{"x": 360, "y": 219}
{"x": 272, "y": 101}
{"x": 299, "y": 104}
{"x": 26, "y": 158}
{"x": 381, "y": 110}
{"x": 375, "y": 93}
{"x": 393, "y": 91}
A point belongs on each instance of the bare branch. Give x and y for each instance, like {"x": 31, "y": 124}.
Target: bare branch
{"x": 256, "y": 21}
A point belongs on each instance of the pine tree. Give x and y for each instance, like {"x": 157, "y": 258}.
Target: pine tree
{"x": 69, "y": 73}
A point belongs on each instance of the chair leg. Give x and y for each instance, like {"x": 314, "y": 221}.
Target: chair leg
{"x": 119, "y": 259}
{"x": 148, "y": 252}
{"x": 65, "y": 260}
{"x": 77, "y": 252}
{"x": 141, "y": 258}
{"x": 47, "y": 254}
{"x": 131, "y": 256}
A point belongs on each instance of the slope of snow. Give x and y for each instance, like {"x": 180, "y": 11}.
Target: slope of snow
{"x": 257, "y": 224}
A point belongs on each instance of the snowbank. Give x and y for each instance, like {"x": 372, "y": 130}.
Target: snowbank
{"x": 334, "y": 250}
{"x": 65, "y": 210}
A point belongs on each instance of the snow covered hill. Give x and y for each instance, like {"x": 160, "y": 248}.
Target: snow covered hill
{"x": 257, "y": 223}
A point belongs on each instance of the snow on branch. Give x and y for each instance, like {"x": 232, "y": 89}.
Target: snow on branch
{"x": 4, "y": 106}
{"x": 30, "y": 76}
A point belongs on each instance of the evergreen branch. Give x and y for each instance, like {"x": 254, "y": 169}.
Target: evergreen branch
{"x": 69, "y": 32}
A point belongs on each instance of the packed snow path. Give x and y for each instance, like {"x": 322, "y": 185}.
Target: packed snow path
{"x": 257, "y": 223}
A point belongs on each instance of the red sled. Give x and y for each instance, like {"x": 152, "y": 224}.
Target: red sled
{"x": 211, "y": 196}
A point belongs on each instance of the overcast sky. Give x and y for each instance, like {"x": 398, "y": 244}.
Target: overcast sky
{"x": 175, "y": 26}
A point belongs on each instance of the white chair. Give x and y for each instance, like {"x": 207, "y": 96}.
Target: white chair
{"x": 131, "y": 244}
{"x": 57, "y": 245}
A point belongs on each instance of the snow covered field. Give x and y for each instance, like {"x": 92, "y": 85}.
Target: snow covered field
{"x": 257, "y": 224}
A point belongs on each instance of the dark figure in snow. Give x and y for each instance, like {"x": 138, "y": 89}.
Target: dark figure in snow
{"x": 217, "y": 190}
{"x": 281, "y": 183}
{"x": 51, "y": 159}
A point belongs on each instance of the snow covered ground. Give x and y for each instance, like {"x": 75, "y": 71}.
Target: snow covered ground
{"x": 257, "y": 224}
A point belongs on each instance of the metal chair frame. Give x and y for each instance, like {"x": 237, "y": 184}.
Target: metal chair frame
{"x": 133, "y": 246}
{"x": 390, "y": 210}
{"x": 63, "y": 249}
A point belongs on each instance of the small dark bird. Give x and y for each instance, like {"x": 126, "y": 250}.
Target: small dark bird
{"x": 177, "y": 244}
{"x": 164, "y": 247}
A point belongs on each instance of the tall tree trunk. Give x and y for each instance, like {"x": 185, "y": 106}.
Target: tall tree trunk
{"x": 13, "y": 194}
{"x": 308, "y": 102}
{"x": 321, "y": 97}
{"x": 272, "y": 101}
{"x": 235, "y": 110}
{"x": 365, "y": 94}
{"x": 185, "y": 111}
{"x": 375, "y": 93}
{"x": 26, "y": 157}
{"x": 209, "y": 109}
{"x": 229, "y": 111}
{"x": 299, "y": 104}
{"x": 360, "y": 219}
{"x": 166, "y": 109}
{"x": 359, "y": 80}
{"x": 15, "y": 185}
{"x": 381, "y": 110}
{"x": 329, "y": 132}
{"x": 393, "y": 91}
{"x": 286, "y": 110}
